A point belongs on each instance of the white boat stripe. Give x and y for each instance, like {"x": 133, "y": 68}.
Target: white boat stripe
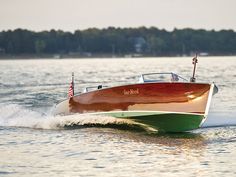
{"x": 141, "y": 111}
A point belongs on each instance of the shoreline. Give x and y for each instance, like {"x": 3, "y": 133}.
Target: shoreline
{"x": 133, "y": 56}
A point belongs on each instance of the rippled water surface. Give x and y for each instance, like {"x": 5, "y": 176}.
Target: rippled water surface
{"x": 34, "y": 143}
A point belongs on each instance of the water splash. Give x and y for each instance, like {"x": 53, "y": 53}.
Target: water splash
{"x": 218, "y": 119}
{"x": 18, "y": 116}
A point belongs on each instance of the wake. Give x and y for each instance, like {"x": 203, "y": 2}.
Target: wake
{"x": 17, "y": 116}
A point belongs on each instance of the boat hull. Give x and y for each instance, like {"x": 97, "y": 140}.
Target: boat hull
{"x": 169, "y": 107}
{"x": 161, "y": 121}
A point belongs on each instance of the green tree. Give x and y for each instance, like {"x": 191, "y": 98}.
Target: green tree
{"x": 39, "y": 46}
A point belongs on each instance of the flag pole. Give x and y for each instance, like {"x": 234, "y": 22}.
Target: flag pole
{"x": 73, "y": 82}
{"x": 193, "y": 79}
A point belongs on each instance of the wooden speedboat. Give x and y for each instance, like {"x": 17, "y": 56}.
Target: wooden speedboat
{"x": 173, "y": 105}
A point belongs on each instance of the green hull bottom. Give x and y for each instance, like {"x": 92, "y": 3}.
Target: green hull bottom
{"x": 162, "y": 122}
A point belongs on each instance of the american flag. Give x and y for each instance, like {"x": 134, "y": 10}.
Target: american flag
{"x": 71, "y": 92}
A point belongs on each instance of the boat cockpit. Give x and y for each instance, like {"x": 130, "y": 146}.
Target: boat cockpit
{"x": 88, "y": 89}
{"x": 145, "y": 78}
{"x": 161, "y": 77}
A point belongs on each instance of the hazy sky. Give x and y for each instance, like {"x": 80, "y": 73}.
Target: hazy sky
{"x": 70, "y": 15}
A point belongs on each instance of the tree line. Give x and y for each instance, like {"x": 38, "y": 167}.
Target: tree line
{"x": 118, "y": 41}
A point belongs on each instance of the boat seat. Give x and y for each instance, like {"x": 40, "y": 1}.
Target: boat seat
{"x": 99, "y": 86}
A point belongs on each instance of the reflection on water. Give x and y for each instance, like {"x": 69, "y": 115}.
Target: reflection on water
{"x": 136, "y": 133}
{"x": 87, "y": 151}
{"x": 112, "y": 152}
{"x": 182, "y": 141}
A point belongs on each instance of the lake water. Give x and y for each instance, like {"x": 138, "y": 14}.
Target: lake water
{"x": 34, "y": 143}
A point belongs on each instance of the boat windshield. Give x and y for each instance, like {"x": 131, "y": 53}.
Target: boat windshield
{"x": 149, "y": 77}
{"x": 161, "y": 77}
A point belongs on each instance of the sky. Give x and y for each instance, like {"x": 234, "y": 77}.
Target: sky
{"x": 70, "y": 15}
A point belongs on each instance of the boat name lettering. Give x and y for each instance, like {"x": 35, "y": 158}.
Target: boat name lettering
{"x": 131, "y": 92}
